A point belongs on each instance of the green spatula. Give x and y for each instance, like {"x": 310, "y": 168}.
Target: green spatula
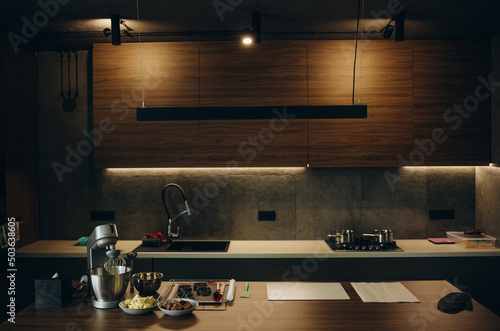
{"x": 245, "y": 293}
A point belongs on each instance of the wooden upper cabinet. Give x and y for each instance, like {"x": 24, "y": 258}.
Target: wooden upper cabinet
{"x": 450, "y": 98}
{"x": 272, "y": 74}
{"x": 170, "y": 77}
{"x": 384, "y": 82}
{"x": 411, "y": 90}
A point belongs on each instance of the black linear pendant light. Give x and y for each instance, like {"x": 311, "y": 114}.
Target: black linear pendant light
{"x": 250, "y": 113}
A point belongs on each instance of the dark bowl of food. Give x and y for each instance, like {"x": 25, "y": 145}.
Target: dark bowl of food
{"x": 147, "y": 282}
{"x": 178, "y": 307}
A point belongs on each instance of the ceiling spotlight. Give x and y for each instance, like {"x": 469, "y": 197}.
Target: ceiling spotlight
{"x": 400, "y": 26}
{"x": 388, "y": 31}
{"x": 247, "y": 36}
{"x": 115, "y": 30}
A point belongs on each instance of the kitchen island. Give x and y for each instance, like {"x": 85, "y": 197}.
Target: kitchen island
{"x": 257, "y": 313}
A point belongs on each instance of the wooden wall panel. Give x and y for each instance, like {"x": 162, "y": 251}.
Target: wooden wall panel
{"x": 19, "y": 137}
{"x": 145, "y": 144}
{"x": 446, "y": 74}
{"x": 169, "y": 71}
{"x": 386, "y": 78}
{"x": 267, "y": 74}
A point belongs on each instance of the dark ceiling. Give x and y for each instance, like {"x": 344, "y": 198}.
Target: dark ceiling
{"x": 76, "y": 24}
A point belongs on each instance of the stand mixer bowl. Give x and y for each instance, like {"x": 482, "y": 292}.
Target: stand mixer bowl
{"x": 108, "y": 288}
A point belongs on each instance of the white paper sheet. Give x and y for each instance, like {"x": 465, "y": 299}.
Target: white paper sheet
{"x": 306, "y": 291}
{"x": 384, "y": 292}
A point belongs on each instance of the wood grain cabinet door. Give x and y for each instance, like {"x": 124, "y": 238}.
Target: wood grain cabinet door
{"x": 452, "y": 98}
{"x": 384, "y": 82}
{"x": 170, "y": 79}
{"x": 271, "y": 74}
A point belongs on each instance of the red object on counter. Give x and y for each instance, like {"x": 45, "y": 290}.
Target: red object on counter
{"x": 152, "y": 240}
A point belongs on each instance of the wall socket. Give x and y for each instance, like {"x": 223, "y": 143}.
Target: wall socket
{"x": 102, "y": 215}
{"x": 267, "y": 215}
{"x": 442, "y": 214}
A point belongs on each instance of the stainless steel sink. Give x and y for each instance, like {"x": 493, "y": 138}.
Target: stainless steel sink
{"x": 198, "y": 246}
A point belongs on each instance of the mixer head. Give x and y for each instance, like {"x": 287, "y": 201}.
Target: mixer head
{"x": 101, "y": 241}
{"x": 102, "y": 236}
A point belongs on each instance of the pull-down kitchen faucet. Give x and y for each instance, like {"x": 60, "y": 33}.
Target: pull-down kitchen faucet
{"x": 171, "y": 235}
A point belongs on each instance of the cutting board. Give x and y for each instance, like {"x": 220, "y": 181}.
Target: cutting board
{"x": 305, "y": 291}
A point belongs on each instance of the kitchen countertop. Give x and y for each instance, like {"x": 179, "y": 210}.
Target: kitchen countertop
{"x": 257, "y": 313}
{"x": 240, "y": 249}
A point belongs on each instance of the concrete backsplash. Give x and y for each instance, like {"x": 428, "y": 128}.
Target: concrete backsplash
{"x": 309, "y": 203}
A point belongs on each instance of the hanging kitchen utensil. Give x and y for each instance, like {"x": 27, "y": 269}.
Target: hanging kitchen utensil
{"x": 69, "y": 103}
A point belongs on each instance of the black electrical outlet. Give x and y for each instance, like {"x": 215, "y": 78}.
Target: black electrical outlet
{"x": 102, "y": 216}
{"x": 267, "y": 215}
{"x": 441, "y": 214}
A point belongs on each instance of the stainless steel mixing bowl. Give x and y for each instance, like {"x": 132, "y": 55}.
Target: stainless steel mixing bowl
{"x": 109, "y": 286}
{"x": 147, "y": 282}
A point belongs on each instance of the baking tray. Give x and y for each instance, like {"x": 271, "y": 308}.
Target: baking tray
{"x": 206, "y": 302}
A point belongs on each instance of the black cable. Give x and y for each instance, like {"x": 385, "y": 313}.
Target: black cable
{"x": 356, "y": 53}
{"x": 62, "y": 80}
{"x": 69, "y": 74}
{"x": 76, "y": 60}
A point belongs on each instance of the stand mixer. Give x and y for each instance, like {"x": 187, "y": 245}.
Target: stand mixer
{"x": 109, "y": 275}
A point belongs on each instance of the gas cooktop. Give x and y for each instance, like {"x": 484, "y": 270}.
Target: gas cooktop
{"x": 365, "y": 245}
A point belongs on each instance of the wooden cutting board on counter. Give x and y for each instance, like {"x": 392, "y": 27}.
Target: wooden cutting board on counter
{"x": 305, "y": 291}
